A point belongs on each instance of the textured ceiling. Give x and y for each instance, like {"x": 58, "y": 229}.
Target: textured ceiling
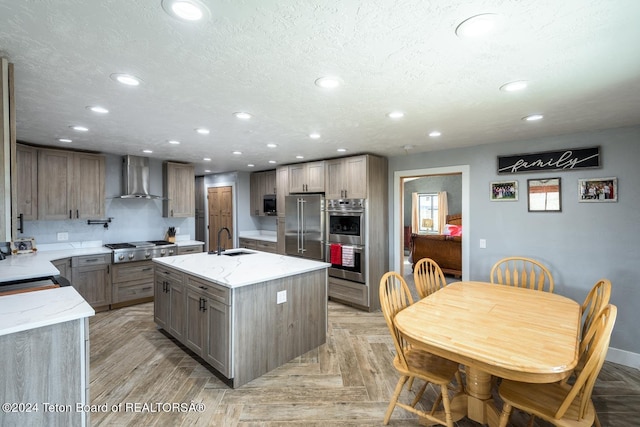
{"x": 581, "y": 59}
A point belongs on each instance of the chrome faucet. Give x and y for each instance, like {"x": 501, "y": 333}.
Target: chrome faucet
{"x": 228, "y": 237}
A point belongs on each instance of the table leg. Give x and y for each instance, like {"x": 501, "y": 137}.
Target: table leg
{"x": 480, "y": 405}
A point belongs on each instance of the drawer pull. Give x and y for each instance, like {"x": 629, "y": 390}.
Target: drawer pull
{"x": 203, "y": 287}
{"x": 146, "y": 269}
{"x": 146, "y": 288}
{"x": 91, "y": 260}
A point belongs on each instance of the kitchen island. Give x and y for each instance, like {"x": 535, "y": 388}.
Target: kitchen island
{"x": 243, "y": 312}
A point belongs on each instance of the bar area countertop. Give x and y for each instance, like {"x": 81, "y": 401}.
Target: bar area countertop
{"x": 234, "y": 271}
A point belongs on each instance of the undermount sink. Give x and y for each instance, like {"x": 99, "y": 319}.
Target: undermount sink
{"x": 237, "y": 253}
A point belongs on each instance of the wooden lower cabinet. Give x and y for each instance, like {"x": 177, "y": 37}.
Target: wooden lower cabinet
{"x": 132, "y": 283}
{"x": 90, "y": 276}
{"x": 64, "y": 266}
{"x": 258, "y": 245}
{"x": 191, "y": 249}
{"x": 209, "y": 312}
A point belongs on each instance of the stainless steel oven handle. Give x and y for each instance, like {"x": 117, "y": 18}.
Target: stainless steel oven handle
{"x": 357, "y": 248}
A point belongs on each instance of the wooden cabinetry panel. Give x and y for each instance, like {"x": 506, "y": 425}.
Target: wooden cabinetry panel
{"x": 64, "y": 266}
{"x": 307, "y": 177}
{"x": 132, "y": 281}
{"x": 347, "y": 178}
{"x": 191, "y": 249}
{"x": 261, "y": 183}
{"x": 70, "y": 185}
{"x": 179, "y": 190}
{"x": 27, "y": 181}
{"x": 91, "y": 279}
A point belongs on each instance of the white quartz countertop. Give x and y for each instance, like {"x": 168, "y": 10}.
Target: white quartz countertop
{"x": 266, "y": 235}
{"x": 30, "y": 310}
{"x": 38, "y": 264}
{"x": 243, "y": 270}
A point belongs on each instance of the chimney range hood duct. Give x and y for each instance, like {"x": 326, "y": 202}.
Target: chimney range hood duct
{"x": 135, "y": 178}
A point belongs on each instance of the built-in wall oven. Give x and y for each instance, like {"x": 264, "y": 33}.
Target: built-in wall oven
{"x": 345, "y": 239}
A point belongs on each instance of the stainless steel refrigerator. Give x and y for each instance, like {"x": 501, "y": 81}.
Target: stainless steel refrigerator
{"x": 304, "y": 226}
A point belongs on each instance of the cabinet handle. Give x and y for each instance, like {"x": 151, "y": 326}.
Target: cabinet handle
{"x": 21, "y": 222}
{"x": 171, "y": 212}
{"x": 146, "y": 269}
{"x": 70, "y": 214}
{"x": 146, "y": 288}
{"x": 204, "y": 305}
{"x": 77, "y": 213}
{"x": 91, "y": 260}
{"x": 203, "y": 287}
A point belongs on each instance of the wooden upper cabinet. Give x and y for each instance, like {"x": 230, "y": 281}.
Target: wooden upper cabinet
{"x": 307, "y": 177}
{"x": 346, "y": 178}
{"x": 27, "y": 182}
{"x": 89, "y": 185}
{"x": 70, "y": 185}
{"x": 282, "y": 188}
{"x": 261, "y": 183}
{"x": 179, "y": 190}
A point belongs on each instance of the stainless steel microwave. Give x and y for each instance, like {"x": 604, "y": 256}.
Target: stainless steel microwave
{"x": 269, "y": 204}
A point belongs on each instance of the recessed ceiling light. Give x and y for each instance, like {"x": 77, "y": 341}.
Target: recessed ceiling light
{"x": 64, "y": 140}
{"x": 272, "y": 145}
{"x": 79, "y": 128}
{"x": 187, "y": 10}
{"x": 314, "y": 135}
{"x": 126, "y": 79}
{"x": 97, "y": 109}
{"x": 328, "y": 82}
{"x": 299, "y": 157}
{"x": 272, "y": 161}
{"x": 203, "y": 131}
{"x": 408, "y": 147}
{"x": 242, "y": 115}
{"x": 207, "y": 171}
{"x": 207, "y": 159}
{"x": 533, "y": 117}
{"x": 147, "y": 151}
{"x": 395, "y": 115}
{"x": 514, "y": 86}
{"x": 341, "y": 150}
{"x": 434, "y": 134}
{"x": 478, "y": 26}
{"x": 251, "y": 165}
{"x": 174, "y": 142}
{"x": 237, "y": 153}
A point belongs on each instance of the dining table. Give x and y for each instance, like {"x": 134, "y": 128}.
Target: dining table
{"x": 495, "y": 331}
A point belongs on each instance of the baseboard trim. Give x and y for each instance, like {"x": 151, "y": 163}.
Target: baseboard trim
{"x": 623, "y": 357}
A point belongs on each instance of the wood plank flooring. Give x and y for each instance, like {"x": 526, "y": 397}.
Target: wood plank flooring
{"x": 345, "y": 382}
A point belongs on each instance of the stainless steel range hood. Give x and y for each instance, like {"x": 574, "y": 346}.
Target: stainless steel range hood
{"x": 135, "y": 178}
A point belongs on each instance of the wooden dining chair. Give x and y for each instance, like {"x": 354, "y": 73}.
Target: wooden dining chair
{"x": 597, "y": 298}
{"x": 412, "y": 362}
{"x": 562, "y": 404}
{"x": 522, "y": 272}
{"x": 428, "y": 277}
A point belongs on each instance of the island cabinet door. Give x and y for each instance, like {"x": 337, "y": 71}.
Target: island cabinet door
{"x": 196, "y": 321}
{"x": 161, "y": 302}
{"x": 218, "y": 346}
{"x": 177, "y": 310}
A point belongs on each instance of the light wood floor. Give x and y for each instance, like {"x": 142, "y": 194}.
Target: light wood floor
{"x": 345, "y": 382}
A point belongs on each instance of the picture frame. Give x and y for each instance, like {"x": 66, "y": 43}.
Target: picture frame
{"x": 503, "y": 191}
{"x": 25, "y": 245}
{"x": 598, "y": 190}
{"x": 544, "y": 195}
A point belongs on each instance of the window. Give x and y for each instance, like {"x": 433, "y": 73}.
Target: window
{"x": 428, "y": 212}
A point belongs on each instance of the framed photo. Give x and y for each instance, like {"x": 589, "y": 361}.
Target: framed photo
{"x": 598, "y": 189}
{"x": 504, "y": 191}
{"x": 544, "y": 195}
{"x": 23, "y": 246}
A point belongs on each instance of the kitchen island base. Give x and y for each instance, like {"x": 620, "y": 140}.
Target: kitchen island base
{"x": 246, "y": 331}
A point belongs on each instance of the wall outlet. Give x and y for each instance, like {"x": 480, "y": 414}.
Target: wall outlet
{"x": 63, "y": 236}
{"x": 483, "y": 243}
{"x": 281, "y": 297}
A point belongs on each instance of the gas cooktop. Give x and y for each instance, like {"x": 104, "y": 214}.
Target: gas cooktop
{"x": 140, "y": 251}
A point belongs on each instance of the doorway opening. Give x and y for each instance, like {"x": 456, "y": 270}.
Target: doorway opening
{"x": 433, "y": 177}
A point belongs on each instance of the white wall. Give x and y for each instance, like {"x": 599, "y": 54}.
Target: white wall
{"x": 581, "y": 244}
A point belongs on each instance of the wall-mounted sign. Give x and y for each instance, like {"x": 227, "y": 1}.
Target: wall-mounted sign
{"x": 579, "y": 158}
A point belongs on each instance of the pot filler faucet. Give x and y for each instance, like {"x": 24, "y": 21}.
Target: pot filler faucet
{"x": 228, "y": 237}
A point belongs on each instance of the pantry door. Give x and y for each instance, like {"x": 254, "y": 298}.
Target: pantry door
{"x": 220, "y": 204}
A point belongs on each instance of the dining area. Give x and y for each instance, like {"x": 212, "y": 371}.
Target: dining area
{"x": 493, "y": 348}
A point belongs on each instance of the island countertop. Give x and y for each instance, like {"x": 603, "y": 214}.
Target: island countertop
{"x": 242, "y": 270}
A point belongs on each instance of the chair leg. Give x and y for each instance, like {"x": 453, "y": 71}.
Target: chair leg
{"x": 504, "y": 416}
{"x": 419, "y": 394}
{"x": 410, "y": 383}
{"x": 394, "y": 399}
{"x": 444, "y": 390}
{"x": 531, "y": 420}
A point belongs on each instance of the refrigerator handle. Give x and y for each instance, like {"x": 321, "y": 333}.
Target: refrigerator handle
{"x": 298, "y": 225}
{"x": 302, "y": 230}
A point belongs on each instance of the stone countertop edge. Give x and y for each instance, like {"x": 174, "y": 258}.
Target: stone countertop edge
{"x": 264, "y": 235}
{"x": 244, "y": 270}
{"x": 31, "y": 310}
